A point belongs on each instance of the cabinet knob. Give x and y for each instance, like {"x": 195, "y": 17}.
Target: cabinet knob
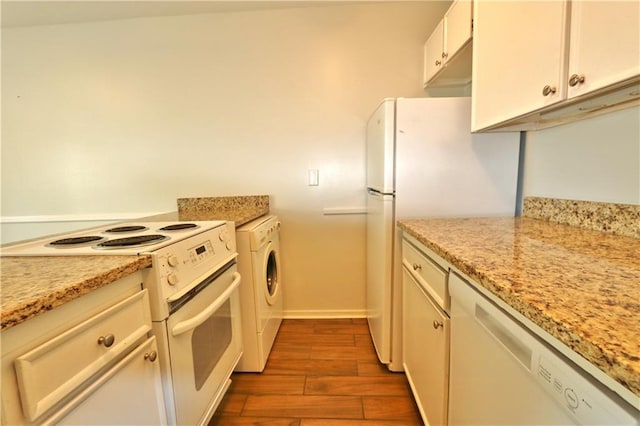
{"x": 417, "y": 266}
{"x": 151, "y": 356}
{"x": 444, "y": 55}
{"x": 438, "y": 63}
{"x": 576, "y": 79}
{"x": 548, "y": 90}
{"x": 437, "y": 324}
{"x": 107, "y": 340}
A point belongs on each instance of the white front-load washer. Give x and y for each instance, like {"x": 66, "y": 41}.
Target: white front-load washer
{"x": 258, "y": 244}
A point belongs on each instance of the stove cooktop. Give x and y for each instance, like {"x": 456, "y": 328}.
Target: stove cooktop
{"x": 118, "y": 239}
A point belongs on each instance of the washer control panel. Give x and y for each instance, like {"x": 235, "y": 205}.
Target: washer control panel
{"x": 265, "y": 232}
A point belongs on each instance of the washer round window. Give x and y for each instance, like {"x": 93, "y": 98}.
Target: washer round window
{"x": 272, "y": 276}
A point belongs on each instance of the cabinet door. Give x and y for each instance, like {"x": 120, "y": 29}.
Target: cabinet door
{"x": 604, "y": 44}
{"x": 129, "y": 393}
{"x": 519, "y": 49}
{"x": 433, "y": 50}
{"x": 457, "y": 27}
{"x": 426, "y": 351}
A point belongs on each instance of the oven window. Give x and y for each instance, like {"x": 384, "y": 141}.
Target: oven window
{"x": 209, "y": 342}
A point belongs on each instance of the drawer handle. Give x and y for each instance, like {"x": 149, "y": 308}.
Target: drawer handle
{"x": 107, "y": 340}
{"x": 437, "y": 324}
{"x": 151, "y": 356}
{"x": 548, "y": 90}
{"x": 417, "y": 267}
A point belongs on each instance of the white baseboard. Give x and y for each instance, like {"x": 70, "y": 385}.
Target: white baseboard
{"x": 325, "y": 314}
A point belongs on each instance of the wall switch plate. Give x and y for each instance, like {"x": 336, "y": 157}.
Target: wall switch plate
{"x": 314, "y": 176}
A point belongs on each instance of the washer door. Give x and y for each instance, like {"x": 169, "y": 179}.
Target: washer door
{"x": 272, "y": 274}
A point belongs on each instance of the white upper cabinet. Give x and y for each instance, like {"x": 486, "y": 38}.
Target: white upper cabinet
{"x": 604, "y": 44}
{"x": 518, "y": 57}
{"x": 539, "y": 64}
{"x": 447, "y": 51}
{"x": 433, "y": 52}
{"x": 458, "y": 23}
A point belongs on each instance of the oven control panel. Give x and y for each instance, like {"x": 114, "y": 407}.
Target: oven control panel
{"x": 201, "y": 252}
{"x": 181, "y": 264}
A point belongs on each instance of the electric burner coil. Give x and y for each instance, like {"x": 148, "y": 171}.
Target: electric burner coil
{"x": 128, "y": 242}
{"x": 179, "y": 227}
{"x": 71, "y": 242}
{"x": 126, "y": 228}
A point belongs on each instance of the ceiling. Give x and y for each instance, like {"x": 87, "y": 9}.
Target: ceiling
{"x": 22, "y": 13}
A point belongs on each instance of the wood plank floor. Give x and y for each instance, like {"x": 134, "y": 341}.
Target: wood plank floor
{"x": 320, "y": 373}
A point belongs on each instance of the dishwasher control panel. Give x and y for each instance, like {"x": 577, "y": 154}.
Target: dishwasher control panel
{"x": 589, "y": 404}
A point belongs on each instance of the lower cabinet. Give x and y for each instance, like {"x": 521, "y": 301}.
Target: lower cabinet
{"x": 90, "y": 361}
{"x": 129, "y": 393}
{"x": 426, "y": 332}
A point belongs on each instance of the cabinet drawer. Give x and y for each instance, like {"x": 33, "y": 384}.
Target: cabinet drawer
{"x": 430, "y": 276}
{"x": 54, "y": 370}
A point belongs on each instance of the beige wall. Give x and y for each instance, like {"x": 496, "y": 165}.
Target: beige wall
{"x": 126, "y": 116}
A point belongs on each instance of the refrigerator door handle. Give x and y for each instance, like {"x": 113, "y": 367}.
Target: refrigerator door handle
{"x": 377, "y": 193}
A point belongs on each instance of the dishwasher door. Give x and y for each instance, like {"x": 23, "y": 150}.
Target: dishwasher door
{"x": 501, "y": 374}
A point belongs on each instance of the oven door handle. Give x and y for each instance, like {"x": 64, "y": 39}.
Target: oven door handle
{"x": 192, "y": 323}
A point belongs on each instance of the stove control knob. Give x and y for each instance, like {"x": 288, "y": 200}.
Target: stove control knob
{"x": 172, "y": 279}
{"x": 172, "y": 260}
{"x": 223, "y": 235}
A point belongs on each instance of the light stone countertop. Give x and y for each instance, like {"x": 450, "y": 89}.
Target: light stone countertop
{"x": 32, "y": 285}
{"x": 579, "y": 285}
{"x": 238, "y": 209}
{"x": 619, "y": 219}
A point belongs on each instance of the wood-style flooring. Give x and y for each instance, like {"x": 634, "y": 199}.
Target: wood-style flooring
{"x": 320, "y": 373}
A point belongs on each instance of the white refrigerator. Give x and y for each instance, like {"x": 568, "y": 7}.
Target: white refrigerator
{"x": 423, "y": 161}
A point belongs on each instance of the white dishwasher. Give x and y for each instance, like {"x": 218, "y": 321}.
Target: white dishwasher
{"x": 501, "y": 374}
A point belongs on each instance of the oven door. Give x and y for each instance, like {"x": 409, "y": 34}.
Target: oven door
{"x": 205, "y": 344}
